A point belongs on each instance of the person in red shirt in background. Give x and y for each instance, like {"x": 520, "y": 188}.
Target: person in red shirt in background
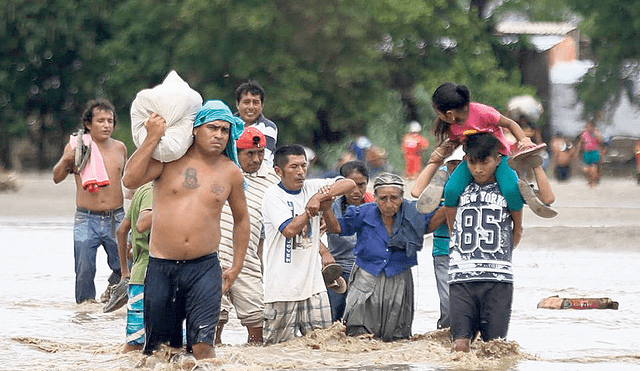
{"x": 413, "y": 144}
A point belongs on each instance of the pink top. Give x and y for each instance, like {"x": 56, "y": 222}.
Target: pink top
{"x": 484, "y": 119}
{"x": 590, "y": 141}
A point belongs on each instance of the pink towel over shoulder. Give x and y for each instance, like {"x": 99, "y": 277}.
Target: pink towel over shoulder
{"x": 94, "y": 174}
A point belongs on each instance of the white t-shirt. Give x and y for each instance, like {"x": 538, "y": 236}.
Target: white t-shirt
{"x": 292, "y": 266}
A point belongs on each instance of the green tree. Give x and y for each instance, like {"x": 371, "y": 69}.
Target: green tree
{"x": 145, "y": 47}
{"x": 328, "y": 66}
{"x": 331, "y": 68}
{"x": 614, "y": 31}
{"x": 537, "y": 10}
{"x": 317, "y": 59}
{"x": 48, "y": 69}
{"x": 469, "y": 55}
{"x": 424, "y": 45}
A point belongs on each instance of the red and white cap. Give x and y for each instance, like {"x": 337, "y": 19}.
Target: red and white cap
{"x": 251, "y": 138}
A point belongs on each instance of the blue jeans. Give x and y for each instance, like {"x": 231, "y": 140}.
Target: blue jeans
{"x": 441, "y": 270}
{"x": 92, "y": 229}
{"x": 337, "y": 301}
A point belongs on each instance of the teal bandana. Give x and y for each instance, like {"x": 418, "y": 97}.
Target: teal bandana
{"x": 213, "y": 110}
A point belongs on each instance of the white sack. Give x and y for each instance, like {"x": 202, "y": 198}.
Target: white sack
{"x": 177, "y": 103}
{"x": 524, "y": 105}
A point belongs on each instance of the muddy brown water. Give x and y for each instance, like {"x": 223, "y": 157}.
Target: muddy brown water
{"x": 592, "y": 249}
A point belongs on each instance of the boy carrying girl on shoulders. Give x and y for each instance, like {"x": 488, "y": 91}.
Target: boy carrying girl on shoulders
{"x": 482, "y": 242}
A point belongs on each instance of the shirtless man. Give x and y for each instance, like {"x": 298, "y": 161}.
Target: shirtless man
{"x": 184, "y": 279}
{"x": 563, "y": 153}
{"x": 98, "y": 213}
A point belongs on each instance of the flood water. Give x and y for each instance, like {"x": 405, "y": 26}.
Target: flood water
{"x": 591, "y": 250}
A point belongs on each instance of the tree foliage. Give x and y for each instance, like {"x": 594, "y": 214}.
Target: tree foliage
{"x": 48, "y": 68}
{"x": 614, "y": 29}
{"x": 536, "y": 10}
{"x": 331, "y": 68}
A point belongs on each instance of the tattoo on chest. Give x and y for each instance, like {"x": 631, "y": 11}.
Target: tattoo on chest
{"x": 216, "y": 188}
{"x": 191, "y": 178}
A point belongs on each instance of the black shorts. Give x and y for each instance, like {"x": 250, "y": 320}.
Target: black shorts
{"x": 563, "y": 172}
{"x": 175, "y": 290}
{"x": 483, "y": 306}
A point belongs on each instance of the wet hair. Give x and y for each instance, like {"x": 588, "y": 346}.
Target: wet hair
{"x": 388, "y": 180}
{"x": 100, "y": 104}
{"x": 281, "y": 155}
{"x": 480, "y": 146}
{"x": 446, "y": 97}
{"x": 349, "y": 167}
{"x": 250, "y": 86}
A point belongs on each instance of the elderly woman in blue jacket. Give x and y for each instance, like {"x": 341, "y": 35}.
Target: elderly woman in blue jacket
{"x": 389, "y": 234}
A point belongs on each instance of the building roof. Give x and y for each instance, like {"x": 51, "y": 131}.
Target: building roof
{"x": 569, "y": 72}
{"x": 534, "y": 28}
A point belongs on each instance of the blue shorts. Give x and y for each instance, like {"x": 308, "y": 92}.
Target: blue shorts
{"x": 135, "y": 315}
{"x": 483, "y": 306}
{"x": 591, "y": 157}
{"x": 178, "y": 290}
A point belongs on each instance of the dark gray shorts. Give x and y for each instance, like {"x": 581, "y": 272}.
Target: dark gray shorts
{"x": 483, "y": 306}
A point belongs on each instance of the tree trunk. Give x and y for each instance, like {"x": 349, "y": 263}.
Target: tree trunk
{"x": 5, "y": 149}
{"x": 480, "y": 5}
{"x": 325, "y": 134}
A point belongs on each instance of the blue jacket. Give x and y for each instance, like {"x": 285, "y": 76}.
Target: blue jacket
{"x": 375, "y": 251}
{"x": 341, "y": 246}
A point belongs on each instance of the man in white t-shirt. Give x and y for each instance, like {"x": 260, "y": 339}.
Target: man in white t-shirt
{"x": 295, "y": 295}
